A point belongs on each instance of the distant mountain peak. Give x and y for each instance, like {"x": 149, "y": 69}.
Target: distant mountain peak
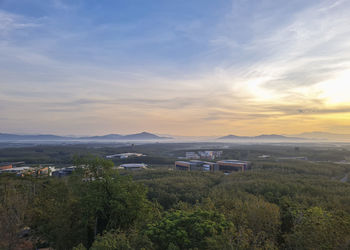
{"x": 233, "y": 137}
{"x": 143, "y": 136}
{"x": 259, "y": 137}
{"x": 270, "y": 136}
{"x": 144, "y": 133}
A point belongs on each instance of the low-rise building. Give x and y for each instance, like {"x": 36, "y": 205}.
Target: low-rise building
{"x": 196, "y": 165}
{"x": 192, "y": 155}
{"x": 18, "y": 164}
{"x": 232, "y": 166}
{"x": 264, "y": 156}
{"x": 203, "y": 155}
{"x": 63, "y": 172}
{"x": 209, "y": 154}
{"x": 133, "y": 166}
{"x": 226, "y": 166}
{"x": 5, "y": 165}
{"x": 18, "y": 170}
{"x": 8, "y": 165}
{"x": 43, "y": 171}
{"x": 183, "y": 165}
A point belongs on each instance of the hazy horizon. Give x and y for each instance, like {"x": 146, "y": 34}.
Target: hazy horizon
{"x": 189, "y": 68}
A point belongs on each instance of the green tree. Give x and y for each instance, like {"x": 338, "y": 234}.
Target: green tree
{"x": 111, "y": 241}
{"x": 113, "y": 203}
{"x": 257, "y": 221}
{"x": 188, "y": 230}
{"x": 95, "y": 199}
{"x": 315, "y": 228}
{"x": 57, "y": 215}
{"x": 119, "y": 240}
{"x": 15, "y": 199}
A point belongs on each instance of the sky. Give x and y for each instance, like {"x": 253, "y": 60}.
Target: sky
{"x": 193, "y": 68}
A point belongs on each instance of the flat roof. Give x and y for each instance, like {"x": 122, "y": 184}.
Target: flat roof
{"x": 133, "y": 165}
{"x": 5, "y": 164}
{"x": 232, "y": 161}
{"x": 16, "y": 169}
{"x": 185, "y": 162}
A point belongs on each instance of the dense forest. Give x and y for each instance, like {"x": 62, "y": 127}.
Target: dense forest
{"x": 294, "y": 205}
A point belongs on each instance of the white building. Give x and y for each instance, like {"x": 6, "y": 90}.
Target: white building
{"x": 192, "y": 155}
{"x": 203, "y": 155}
{"x": 133, "y": 166}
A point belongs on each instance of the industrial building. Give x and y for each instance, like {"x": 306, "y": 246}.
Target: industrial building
{"x": 196, "y": 165}
{"x": 226, "y": 166}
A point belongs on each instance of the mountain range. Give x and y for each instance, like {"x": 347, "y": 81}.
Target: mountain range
{"x": 139, "y": 136}
{"x": 317, "y": 135}
{"x": 307, "y": 136}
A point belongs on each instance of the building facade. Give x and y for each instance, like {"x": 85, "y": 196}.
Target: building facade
{"x": 196, "y": 165}
{"x": 226, "y": 166}
{"x": 233, "y": 166}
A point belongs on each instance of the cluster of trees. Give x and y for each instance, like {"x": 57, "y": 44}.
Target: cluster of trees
{"x": 98, "y": 208}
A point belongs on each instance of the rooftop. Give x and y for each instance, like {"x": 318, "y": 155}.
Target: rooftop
{"x": 232, "y": 161}
{"x": 133, "y": 165}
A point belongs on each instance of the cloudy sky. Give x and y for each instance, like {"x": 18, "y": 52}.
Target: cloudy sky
{"x": 198, "y": 67}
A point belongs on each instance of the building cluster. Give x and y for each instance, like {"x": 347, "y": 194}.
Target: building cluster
{"x": 203, "y": 155}
{"x": 17, "y": 168}
{"x": 124, "y": 155}
{"x": 226, "y": 166}
{"x": 21, "y": 169}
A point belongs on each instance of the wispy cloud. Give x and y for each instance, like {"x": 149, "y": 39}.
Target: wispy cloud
{"x": 11, "y": 23}
{"x": 310, "y": 48}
